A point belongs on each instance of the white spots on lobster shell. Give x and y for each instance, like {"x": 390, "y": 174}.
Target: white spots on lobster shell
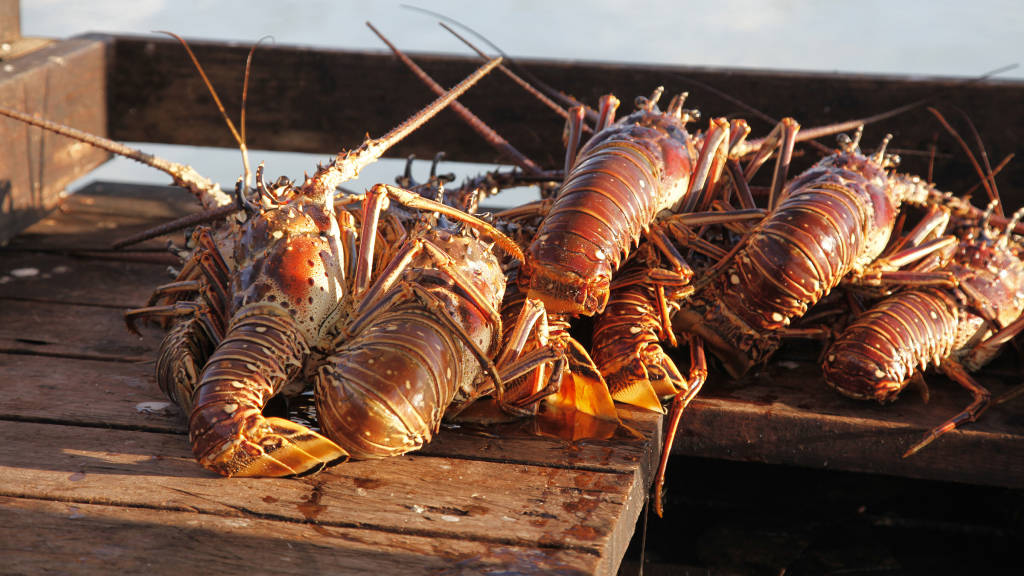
{"x": 879, "y": 373}
{"x": 230, "y": 408}
{"x": 599, "y": 254}
{"x": 734, "y": 279}
{"x": 778, "y": 317}
{"x": 261, "y": 329}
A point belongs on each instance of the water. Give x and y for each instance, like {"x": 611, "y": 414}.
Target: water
{"x": 910, "y": 37}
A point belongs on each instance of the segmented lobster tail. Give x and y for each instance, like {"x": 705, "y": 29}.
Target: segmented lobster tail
{"x": 627, "y": 348}
{"x": 834, "y": 218}
{"x": 620, "y": 180}
{"x": 384, "y": 393}
{"x": 876, "y": 355}
{"x": 261, "y": 352}
{"x": 183, "y": 353}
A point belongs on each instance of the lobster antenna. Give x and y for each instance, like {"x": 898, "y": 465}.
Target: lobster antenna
{"x": 489, "y": 134}
{"x": 1012, "y": 224}
{"x": 989, "y": 173}
{"x": 346, "y": 165}
{"x": 190, "y": 220}
{"x": 544, "y": 87}
{"x": 515, "y": 78}
{"x": 992, "y": 194}
{"x": 209, "y": 194}
{"x": 809, "y": 135}
{"x": 240, "y": 138}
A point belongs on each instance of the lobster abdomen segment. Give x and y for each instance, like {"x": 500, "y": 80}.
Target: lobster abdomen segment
{"x": 260, "y": 353}
{"x": 622, "y": 178}
{"x": 385, "y": 391}
{"x": 874, "y": 356}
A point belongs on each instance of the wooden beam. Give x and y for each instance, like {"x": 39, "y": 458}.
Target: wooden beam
{"x": 321, "y": 101}
{"x": 10, "y": 22}
{"x": 64, "y": 82}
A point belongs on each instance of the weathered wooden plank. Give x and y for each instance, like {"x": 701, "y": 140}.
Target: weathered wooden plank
{"x": 123, "y": 395}
{"x": 40, "y": 536}
{"x": 505, "y": 504}
{"x": 64, "y": 82}
{"x": 105, "y": 212}
{"x": 86, "y": 393}
{"x": 786, "y": 415}
{"x": 10, "y": 21}
{"x": 41, "y": 276}
{"x": 330, "y": 98}
{"x": 54, "y": 329}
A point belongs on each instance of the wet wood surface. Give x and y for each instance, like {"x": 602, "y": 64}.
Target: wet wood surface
{"x": 97, "y": 475}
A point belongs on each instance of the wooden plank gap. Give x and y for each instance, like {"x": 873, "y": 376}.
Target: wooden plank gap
{"x": 71, "y": 355}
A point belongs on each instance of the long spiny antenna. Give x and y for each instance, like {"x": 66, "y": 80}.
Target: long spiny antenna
{"x": 993, "y": 194}
{"x": 478, "y": 125}
{"x": 346, "y": 165}
{"x": 566, "y": 100}
{"x": 515, "y": 78}
{"x": 209, "y": 194}
{"x": 989, "y": 173}
{"x": 239, "y": 138}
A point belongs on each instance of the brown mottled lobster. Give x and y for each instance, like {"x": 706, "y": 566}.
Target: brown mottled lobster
{"x": 286, "y": 289}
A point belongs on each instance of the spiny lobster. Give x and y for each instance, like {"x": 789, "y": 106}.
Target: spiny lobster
{"x": 266, "y": 294}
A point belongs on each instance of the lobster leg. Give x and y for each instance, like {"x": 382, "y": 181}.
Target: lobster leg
{"x": 982, "y": 399}
{"x": 573, "y": 133}
{"x": 183, "y": 353}
{"x": 697, "y": 376}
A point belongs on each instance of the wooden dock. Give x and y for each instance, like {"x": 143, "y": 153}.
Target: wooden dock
{"x": 96, "y": 475}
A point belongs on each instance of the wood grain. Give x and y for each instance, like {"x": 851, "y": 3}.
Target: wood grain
{"x": 64, "y": 82}
{"x": 45, "y": 536}
{"x": 330, "y": 98}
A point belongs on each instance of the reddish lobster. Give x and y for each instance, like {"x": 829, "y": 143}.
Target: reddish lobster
{"x": 259, "y": 304}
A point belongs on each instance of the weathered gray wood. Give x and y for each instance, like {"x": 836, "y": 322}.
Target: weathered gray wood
{"x": 86, "y": 393}
{"x": 55, "y": 329}
{"x": 125, "y": 395}
{"x": 64, "y": 82}
{"x": 504, "y": 504}
{"x": 329, "y": 99}
{"x": 43, "y": 536}
{"x": 49, "y": 277}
